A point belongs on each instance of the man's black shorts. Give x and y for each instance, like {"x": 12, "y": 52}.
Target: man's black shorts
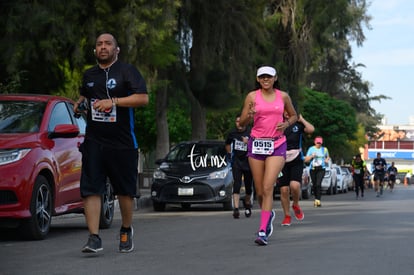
{"x": 100, "y": 162}
{"x": 292, "y": 171}
{"x": 379, "y": 176}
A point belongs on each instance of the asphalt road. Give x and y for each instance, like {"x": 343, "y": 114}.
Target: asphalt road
{"x": 345, "y": 236}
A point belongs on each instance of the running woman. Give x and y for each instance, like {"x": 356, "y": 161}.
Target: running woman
{"x": 266, "y": 149}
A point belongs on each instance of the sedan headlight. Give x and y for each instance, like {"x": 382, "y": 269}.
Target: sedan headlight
{"x": 10, "y": 156}
{"x": 219, "y": 174}
{"x": 158, "y": 174}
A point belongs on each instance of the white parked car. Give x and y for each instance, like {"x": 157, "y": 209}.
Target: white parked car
{"x": 330, "y": 181}
{"x": 345, "y": 180}
{"x": 306, "y": 186}
{"x": 349, "y": 179}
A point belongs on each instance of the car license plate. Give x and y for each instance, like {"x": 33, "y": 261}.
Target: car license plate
{"x": 185, "y": 191}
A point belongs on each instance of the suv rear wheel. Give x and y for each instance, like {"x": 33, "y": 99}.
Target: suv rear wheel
{"x": 107, "y": 207}
{"x": 158, "y": 206}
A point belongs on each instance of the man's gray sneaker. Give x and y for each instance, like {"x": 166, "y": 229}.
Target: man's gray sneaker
{"x": 126, "y": 244}
{"x": 93, "y": 245}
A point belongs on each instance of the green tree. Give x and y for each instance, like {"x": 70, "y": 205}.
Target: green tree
{"x": 150, "y": 28}
{"x": 290, "y": 43}
{"x": 334, "y": 24}
{"x": 358, "y": 143}
{"x": 220, "y": 123}
{"x": 333, "y": 119}
{"x": 13, "y": 84}
{"x": 146, "y": 129}
{"x": 198, "y": 57}
{"x": 218, "y": 51}
{"x": 311, "y": 46}
{"x": 39, "y": 36}
{"x": 56, "y": 38}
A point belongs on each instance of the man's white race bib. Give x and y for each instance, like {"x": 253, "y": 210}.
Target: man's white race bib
{"x": 263, "y": 146}
{"x": 239, "y": 145}
{"x": 103, "y": 116}
{"x": 357, "y": 171}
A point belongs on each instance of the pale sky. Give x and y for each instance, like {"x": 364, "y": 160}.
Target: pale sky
{"x": 388, "y": 54}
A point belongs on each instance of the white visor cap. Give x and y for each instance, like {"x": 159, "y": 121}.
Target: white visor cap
{"x": 266, "y": 70}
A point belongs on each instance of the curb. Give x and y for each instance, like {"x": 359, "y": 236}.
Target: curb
{"x": 143, "y": 202}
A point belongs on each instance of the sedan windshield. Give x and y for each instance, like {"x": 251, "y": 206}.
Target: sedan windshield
{"x": 186, "y": 152}
{"x": 20, "y": 116}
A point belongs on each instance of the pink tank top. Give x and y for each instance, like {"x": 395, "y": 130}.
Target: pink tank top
{"x": 267, "y": 116}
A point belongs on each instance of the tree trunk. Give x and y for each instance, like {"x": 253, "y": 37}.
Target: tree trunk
{"x": 198, "y": 112}
{"x": 198, "y": 120}
{"x": 163, "y": 136}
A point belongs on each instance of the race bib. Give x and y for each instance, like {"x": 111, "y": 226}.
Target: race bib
{"x": 317, "y": 162}
{"x": 263, "y": 146}
{"x": 357, "y": 171}
{"x": 240, "y": 145}
{"x": 107, "y": 116}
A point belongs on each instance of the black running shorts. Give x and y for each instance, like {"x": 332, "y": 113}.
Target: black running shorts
{"x": 100, "y": 163}
{"x": 292, "y": 171}
{"x": 379, "y": 176}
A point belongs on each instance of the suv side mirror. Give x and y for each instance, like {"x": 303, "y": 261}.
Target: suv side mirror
{"x": 64, "y": 131}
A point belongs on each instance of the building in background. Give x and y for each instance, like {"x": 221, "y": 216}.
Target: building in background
{"x": 396, "y": 144}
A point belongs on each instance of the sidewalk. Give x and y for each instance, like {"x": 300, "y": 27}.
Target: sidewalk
{"x": 144, "y": 201}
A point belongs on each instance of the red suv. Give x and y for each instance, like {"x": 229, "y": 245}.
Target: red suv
{"x": 40, "y": 163}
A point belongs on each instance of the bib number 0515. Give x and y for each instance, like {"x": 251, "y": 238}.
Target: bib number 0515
{"x": 263, "y": 146}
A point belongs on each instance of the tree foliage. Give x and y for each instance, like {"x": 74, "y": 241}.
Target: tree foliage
{"x": 333, "y": 119}
{"x": 219, "y": 44}
{"x": 146, "y": 130}
{"x": 199, "y": 59}
{"x": 37, "y": 36}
